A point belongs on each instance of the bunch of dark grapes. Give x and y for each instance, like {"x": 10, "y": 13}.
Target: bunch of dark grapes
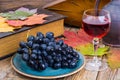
{"x": 43, "y": 51}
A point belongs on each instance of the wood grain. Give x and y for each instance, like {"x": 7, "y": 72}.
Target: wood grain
{"x": 8, "y": 4}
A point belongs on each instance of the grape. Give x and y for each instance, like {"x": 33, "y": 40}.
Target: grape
{"x": 64, "y": 58}
{"x": 50, "y": 63}
{"x": 34, "y": 51}
{"x": 52, "y": 39}
{"x": 36, "y": 40}
{"x": 36, "y": 67}
{"x": 77, "y": 56}
{"x": 20, "y": 50}
{"x": 46, "y": 40}
{"x": 72, "y": 65}
{"x": 40, "y": 61}
{"x": 50, "y": 35}
{"x": 57, "y": 59}
{"x": 29, "y": 44}
{"x": 42, "y": 51}
{"x": 50, "y": 49}
{"x": 58, "y": 49}
{"x": 23, "y": 44}
{"x": 49, "y": 57}
{"x": 57, "y": 65}
{"x": 40, "y": 40}
{"x": 43, "y": 46}
{"x": 39, "y": 57}
{"x": 35, "y": 46}
{"x": 33, "y": 56}
{"x": 25, "y": 50}
{"x": 40, "y": 35}
{"x": 60, "y": 42}
{"x": 53, "y": 54}
{"x": 52, "y": 44}
{"x": 39, "y": 52}
{"x": 25, "y": 56}
{"x": 63, "y": 53}
{"x": 31, "y": 63}
{"x": 30, "y": 38}
{"x": 69, "y": 56}
{"x": 64, "y": 64}
{"x": 64, "y": 46}
{"x": 42, "y": 66}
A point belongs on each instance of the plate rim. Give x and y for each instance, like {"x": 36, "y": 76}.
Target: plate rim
{"x": 46, "y": 77}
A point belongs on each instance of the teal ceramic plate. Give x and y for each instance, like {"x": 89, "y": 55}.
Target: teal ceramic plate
{"x": 21, "y": 67}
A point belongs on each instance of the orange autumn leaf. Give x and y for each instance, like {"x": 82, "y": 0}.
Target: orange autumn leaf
{"x": 114, "y": 58}
{"x": 35, "y": 19}
{"x": 15, "y": 23}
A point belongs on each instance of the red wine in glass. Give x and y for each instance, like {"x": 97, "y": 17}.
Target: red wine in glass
{"x": 95, "y": 28}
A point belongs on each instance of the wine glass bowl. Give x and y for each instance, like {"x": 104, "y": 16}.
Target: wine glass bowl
{"x": 96, "y": 23}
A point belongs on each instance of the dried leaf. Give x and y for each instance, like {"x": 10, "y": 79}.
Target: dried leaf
{"x": 4, "y": 27}
{"x": 73, "y": 39}
{"x": 82, "y": 42}
{"x": 21, "y": 13}
{"x": 35, "y": 19}
{"x": 15, "y": 23}
{"x": 33, "y": 11}
{"x": 87, "y": 49}
{"x": 114, "y": 58}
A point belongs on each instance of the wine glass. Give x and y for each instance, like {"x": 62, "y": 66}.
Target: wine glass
{"x": 96, "y": 23}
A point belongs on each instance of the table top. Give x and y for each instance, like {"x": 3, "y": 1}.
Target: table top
{"x": 7, "y": 72}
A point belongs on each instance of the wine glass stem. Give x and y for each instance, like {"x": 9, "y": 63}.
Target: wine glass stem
{"x": 95, "y": 44}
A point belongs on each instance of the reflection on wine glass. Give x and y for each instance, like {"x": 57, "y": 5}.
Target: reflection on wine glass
{"x": 96, "y": 23}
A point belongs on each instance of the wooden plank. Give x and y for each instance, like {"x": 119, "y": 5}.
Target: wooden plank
{"x": 109, "y": 74}
{"x": 7, "y": 4}
{"x": 117, "y": 74}
{"x": 88, "y": 75}
{"x": 104, "y": 75}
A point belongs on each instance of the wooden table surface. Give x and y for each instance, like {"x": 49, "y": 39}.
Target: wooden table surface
{"x": 7, "y": 72}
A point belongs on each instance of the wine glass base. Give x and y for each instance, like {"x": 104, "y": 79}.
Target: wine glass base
{"x": 96, "y": 66}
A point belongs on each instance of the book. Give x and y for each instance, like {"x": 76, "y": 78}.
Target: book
{"x": 9, "y": 41}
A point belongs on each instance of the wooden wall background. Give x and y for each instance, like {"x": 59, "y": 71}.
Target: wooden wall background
{"x": 7, "y": 4}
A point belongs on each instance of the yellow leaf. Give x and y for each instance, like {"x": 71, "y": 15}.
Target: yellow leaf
{"x": 7, "y": 29}
{"x": 114, "y": 58}
{"x": 2, "y": 20}
{"x": 4, "y": 27}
